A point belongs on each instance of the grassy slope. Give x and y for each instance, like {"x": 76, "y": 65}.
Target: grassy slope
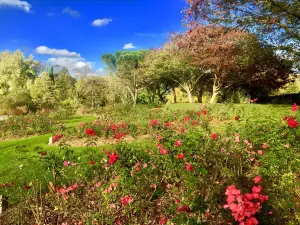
{"x": 14, "y": 154}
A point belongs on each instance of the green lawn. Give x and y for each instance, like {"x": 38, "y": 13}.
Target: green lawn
{"x": 15, "y": 154}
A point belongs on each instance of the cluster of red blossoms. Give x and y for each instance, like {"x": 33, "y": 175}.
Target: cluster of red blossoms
{"x": 56, "y": 138}
{"x": 112, "y": 157}
{"x": 90, "y": 132}
{"x": 291, "y": 121}
{"x": 244, "y": 207}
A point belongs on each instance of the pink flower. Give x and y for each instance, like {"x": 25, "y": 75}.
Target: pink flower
{"x": 260, "y": 152}
{"x": 67, "y": 163}
{"x": 99, "y": 184}
{"x": 256, "y": 189}
{"x": 126, "y": 200}
{"x": 214, "y": 136}
{"x": 257, "y": 179}
{"x": 294, "y": 107}
{"x": 178, "y": 143}
{"x": 265, "y": 145}
{"x": 180, "y": 156}
{"x": 188, "y": 167}
{"x": 154, "y": 186}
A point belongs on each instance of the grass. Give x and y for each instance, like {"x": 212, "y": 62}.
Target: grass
{"x": 15, "y": 153}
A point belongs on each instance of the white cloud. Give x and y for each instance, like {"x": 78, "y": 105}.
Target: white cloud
{"x": 75, "y": 65}
{"x": 101, "y": 22}
{"x": 16, "y": 4}
{"x": 43, "y": 50}
{"x": 129, "y": 46}
{"x": 71, "y": 12}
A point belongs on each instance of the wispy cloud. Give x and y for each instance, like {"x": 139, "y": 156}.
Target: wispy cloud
{"x": 50, "y": 14}
{"x": 23, "y": 5}
{"x": 43, "y": 50}
{"x": 129, "y": 46}
{"x": 71, "y": 12}
{"x": 152, "y": 35}
{"x": 101, "y": 22}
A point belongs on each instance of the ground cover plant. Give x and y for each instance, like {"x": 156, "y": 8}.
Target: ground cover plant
{"x": 221, "y": 164}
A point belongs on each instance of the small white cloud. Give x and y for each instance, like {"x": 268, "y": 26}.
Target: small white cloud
{"x": 71, "y": 12}
{"x": 16, "y": 4}
{"x": 50, "y": 14}
{"x": 101, "y": 22}
{"x": 129, "y": 46}
{"x": 43, "y": 50}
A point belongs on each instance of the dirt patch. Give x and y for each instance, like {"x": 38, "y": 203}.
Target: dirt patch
{"x": 82, "y": 142}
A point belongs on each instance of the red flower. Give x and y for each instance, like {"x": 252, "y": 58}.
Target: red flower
{"x": 204, "y": 111}
{"x": 112, "y": 157}
{"x": 4, "y": 185}
{"x": 187, "y": 118}
{"x": 43, "y": 154}
{"x": 214, "y": 136}
{"x": 236, "y": 118}
{"x": 188, "y": 167}
{"x": 178, "y": 143}
{"x": 294, "y": 107}
{"x": 285, "y": 117}
{"x": 162, "y": 221}
{"x": 194, "y": 122}
{"x": 12, "y": 184}
{"x": 56, "y": 138}
{"x": 92, "y": 162}
{"x": 257, "y": 179}
{"x": 27, "y": 187}
{"x": 163, "y": 151}
{"x": 184, "y": 208}
{"x": 180, "y": 156}
{"x": 198, "y": 114}
{"x": 292, "y": 123}
{"x": 90, "y": 131}
{"x": 125, "y": 200}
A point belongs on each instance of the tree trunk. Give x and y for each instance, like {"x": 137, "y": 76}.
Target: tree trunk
{"x": 174, "y": 93}
{"x": 189, "y": 94}
{"x": 216, "y": 91}
{"x": 135, "y": 96}
{"x": 3, "y": 203}
{"x": 200, "y": 94}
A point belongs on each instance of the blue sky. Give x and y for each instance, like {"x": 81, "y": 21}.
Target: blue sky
{"x": 76, "y": 33}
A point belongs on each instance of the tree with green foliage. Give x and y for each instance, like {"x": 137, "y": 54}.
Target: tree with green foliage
{"x": 42, "y": 92}
{"x": 91, "y": 91}
{"x": 167, "y": 68}
{"x": 64, "y": 85}
{"x": 126, "y": 66}
{"x": 16, "y": 71}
